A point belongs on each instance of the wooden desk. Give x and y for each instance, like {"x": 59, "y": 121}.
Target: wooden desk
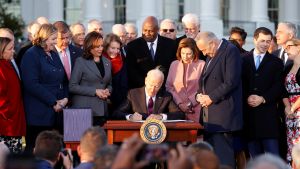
{"x": 118, "y": 130}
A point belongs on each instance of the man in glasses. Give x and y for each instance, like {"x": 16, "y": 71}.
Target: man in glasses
{"x": 168, "y": 29}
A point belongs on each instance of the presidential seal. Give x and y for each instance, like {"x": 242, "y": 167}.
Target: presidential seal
{"x": 153, "y": 131}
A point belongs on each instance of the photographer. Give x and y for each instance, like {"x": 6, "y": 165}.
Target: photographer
{"x": 47, "y": 150}
{"x": 126, "y": 157}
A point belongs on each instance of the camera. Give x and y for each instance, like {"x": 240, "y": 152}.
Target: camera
{"x": 64, "y": 151}
{"x": 154, "y": 153}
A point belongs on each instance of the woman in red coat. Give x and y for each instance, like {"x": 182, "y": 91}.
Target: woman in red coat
{"x": 12, "y": 116}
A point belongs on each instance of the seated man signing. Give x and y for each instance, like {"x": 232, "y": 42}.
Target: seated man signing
{"x": 149, "y": 101}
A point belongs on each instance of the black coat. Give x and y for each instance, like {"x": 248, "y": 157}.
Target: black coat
{"x": 139, "y": 60}
{"x": 262, "y": 121}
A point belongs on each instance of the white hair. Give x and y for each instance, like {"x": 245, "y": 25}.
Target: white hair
{"x": 116, "y": 28}
{"x": 206, "y": 36}
{"x": 190, "y": 18}
{"x": 156, "y": 72}
{"x": 167, "y": 21}
{"x": 130, "y": 25}
{"x": 267, "y": 159}
{"x": 91, "y": 23}
{"x": 291, "y": 28}
{"x": 72, "y": 27}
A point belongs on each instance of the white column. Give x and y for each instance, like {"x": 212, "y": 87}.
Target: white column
{"x": 192, "y": 6}
{"x": 27, "y": 10}
{"x": 56, "y": 10}
{"x": 260, "y": 11}
{"x": 92, "y": 10}
{"x": 148, "y": 8}
{"x": 210, "y": 17}
{"x": 171, "y": 9}
{"x": 292, "y": 11}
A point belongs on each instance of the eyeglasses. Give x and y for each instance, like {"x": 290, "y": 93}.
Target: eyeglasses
{"x": 170, "y": 30}
{"x": 289, "y": 46}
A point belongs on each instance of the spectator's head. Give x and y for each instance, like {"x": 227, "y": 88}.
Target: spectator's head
{"x": 262, "y": 40}
{"x": 168, "y": 29}
{"x": 120, "y": 31}
{"x": 112, "y": 45}
{"x": 268, "y": 161}
{"x": 93, "y": 45}
{"x": 131, "y": 32}
{"x": 187, "y": 50}
{"x": 199, "y": 146}
{"x": 105, "y": 157}
{"x": 46, "y": 37}
{"x": 4, "y": 151}
{"x": 191, "y": 25}
{"x": 6, "y": 48}
{"x": 273, "y": 46}
{"x": 78, "y": 34}
{"x": 63, "y": 35}
{"x": 150, "y": 29}
{"x": 48, "y": 145}
{"x": 90, "y": 142}
{"x": 95, "y": 25}
{"x": 207, "y": 43}
{"x": 292, "y": 48}
{"x": 238, "y": 34}
{"x": 285, "y": 31}
{"x": 154, "y": 81}
{"x": 205, "y": 159}
{"x": 7, "y": 33}
{"x": 296, "y": 156}
{"x": 32, "y": 29}
{"x": 42, "y": 20}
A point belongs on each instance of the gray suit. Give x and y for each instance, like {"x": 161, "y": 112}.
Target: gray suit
{"x": 85, "y": 79}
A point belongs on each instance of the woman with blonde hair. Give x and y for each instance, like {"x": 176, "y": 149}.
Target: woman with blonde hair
{"x": 45, "y": 84}
{"x": 12, "y": 116}
{"x": 183, "y": 77}
{"x": 292, "y": 97}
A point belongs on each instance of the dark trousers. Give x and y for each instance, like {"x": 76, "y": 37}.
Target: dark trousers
{"x": 260, "y": 146}
{"x": 223, "y": 147}
{"x": 31, "y": 134}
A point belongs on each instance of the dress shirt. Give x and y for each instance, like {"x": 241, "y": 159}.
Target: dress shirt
{"x": 14, "y": 64}
{"x": 59, "y": 51}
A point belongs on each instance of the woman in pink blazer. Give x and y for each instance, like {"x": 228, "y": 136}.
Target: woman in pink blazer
{"x": 182, "y": 81}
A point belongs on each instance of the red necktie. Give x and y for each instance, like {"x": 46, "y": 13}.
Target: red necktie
{"x": 150, "y": 106}
{"x": 66, "y": 63}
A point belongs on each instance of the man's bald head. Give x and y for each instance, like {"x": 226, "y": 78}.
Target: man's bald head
{"x": 150, "y": 29}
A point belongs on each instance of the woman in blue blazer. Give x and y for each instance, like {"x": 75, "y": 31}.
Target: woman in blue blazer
{"x": 45, "y": 84}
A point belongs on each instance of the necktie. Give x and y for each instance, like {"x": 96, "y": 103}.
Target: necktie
{"x": 282, "y": 57}
{"x": 257, "y": 61}
{"x": 150, "y": 106}
{"x": 66, "y": 64}
{"x": 152, "y": 50}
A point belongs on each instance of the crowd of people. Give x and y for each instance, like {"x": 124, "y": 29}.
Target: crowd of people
{"x": 247, "y": 101}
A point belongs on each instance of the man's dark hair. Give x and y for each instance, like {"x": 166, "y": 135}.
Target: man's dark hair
{"x": 262, "y": 30}
{"x": 239, "y": 31}
{"x": 61, "y": 26}
{"x": 48, "y": 144}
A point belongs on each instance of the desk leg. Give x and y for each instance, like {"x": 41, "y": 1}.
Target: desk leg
{"x": 194, "y": 136}
{"x": 110, "y": 136}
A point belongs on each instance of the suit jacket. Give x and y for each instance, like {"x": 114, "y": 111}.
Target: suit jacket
{"x": 287, "y": 63}
{"x": 266, "y": 81}
{"x": 44, "y": 83}
{"x": 221, "y": 80}
{"x": 12, "y": 115}
{"x": 184, "y": 92}
{"x": 85, "y": 165}
{"x": 136, "y": 102}
{"x": 27, "y": 45}
{"x": 139, "y": 60}
{"x": 85, "y": 79}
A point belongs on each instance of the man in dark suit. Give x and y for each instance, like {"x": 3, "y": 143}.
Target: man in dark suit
{"x": 285, "y": 31}
{"x": 262, "y": 87}
{"x": 220, "y": 94}
{"x": 149, "y": 101}
{"x": 67, "y": 52}
{"x": 147, "y": 52}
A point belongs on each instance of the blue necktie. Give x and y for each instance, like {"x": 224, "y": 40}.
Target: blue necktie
{"x": 257, "y": 61}
{"x": 152, "y": 50}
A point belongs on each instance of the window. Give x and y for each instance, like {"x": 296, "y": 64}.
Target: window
{"x": 120, "y": 11}
{"x": 181, "y": 9}
{"x": 273, "y": 11}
